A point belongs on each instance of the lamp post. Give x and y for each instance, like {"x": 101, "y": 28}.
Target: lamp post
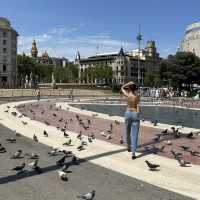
{"x": 139, "y": 38}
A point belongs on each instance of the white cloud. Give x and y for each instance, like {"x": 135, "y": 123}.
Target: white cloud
{"x": 60, "y": 43}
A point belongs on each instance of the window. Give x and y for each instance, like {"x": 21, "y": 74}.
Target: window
{"x": 4, "y": 78}
{"x": 4, "y": 50}
{"x": 4, "y": 59}
{"x": 4, "y": 68}
{"x": 4, "y": 42}
{"x": 4, "y": 34}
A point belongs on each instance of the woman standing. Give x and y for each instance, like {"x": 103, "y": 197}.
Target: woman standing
{"x": 132, "y": 116}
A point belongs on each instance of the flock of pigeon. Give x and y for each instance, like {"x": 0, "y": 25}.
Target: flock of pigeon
{"x": 84, "y": 141}
{"x": 168, "y": 136}
{"x": 63, "y": 166}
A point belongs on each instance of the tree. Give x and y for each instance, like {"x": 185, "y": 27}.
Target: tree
{"x": 183, "y": 68}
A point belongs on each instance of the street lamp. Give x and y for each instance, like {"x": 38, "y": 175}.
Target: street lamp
{"x": 139, "y": 38}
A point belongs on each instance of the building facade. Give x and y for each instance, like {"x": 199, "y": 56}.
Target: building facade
{"x": 8, "y": 54}
{"x": 124, "y": 64}
{"x": 45, "y": 59}
{"x": 191, "y": 41}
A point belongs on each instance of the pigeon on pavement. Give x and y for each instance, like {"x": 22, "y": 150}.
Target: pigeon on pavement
{"x": 45, "y": 133}
{"x": 183, "y": 163}
{"x": 63, "y": 175}
{"x": 61, "y": 161}
{"x": 87, "y": 196}
{"x": 11, "y": 140}
{"x": 152, "y": 166}
{"x": 19, "y": 167}
{"x": 17, "y": 154}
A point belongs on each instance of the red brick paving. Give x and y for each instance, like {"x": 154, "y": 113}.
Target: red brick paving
{"x": 146, "y": 134}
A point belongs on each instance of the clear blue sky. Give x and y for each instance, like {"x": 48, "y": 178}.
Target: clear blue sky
{"x": 63, "y": 26}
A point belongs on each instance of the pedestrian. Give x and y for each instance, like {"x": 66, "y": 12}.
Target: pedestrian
{"x": 132, "y": 116}
{"x": 38, "y": 94}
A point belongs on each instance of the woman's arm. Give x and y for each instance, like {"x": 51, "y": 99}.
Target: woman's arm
{"x": 123, "y": 90}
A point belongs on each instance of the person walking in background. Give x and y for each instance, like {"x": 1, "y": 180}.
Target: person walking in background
{"x": 132, "y": 116}
{"x": 38, "y": 94}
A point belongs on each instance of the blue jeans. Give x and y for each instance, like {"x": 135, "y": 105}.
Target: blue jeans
{"x": 132, "y": 123}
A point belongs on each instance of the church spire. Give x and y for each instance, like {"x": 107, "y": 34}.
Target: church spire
{"x": 34, "y": 51}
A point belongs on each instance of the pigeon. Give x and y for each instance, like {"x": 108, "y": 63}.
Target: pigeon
{"x": 67, "y": 153}
{"x": 63, "y": 129}
{"x": 87, "y": 196}
{"x": 184, "y": 148}
{"x": 32, "y": 156}
{"x": 103, "y": 133}
{"x": 47, "y": 123}
{"x": 65, "y": 134}
{"x": 18, "y": 134}
{"x": 89, "y": 139}
{"x": 152, "y": 166}
{"x": 108, "y": 137}
{"x": 33, "y": 164}
{"x": 79, "y": 136}
{"x": 81, "y": 147}
{"x": 92, "y": 136}
{"x": 60, "y": 120}
{"x": 176, "y": 155}
{"x": 194, "y": 153}
{"x": 45, "y": 134}
{"x": 19, "y": 167}
{"x": 63, "y": 175}
{"x": 183, "y": 163}
{"x": 164, "y": 132}
{"x": 162, "y": 148}
{"x": 61, "y": 161}
{"x": 17, "y": 154}
{"x": 68, "y": 142}
{"x": 53, "y": 152}
{"x": 74, "y": 160}
{"x": 24, "y": 123}
{"x": 11, "y": 140}
{"x": 35, "y": 138}
{"x": 156, "y": 149}
{"x": 20, "y": 116}
{"x": 65, "y": 167}
{"x": 14, "y": 113}
{"x": 54, "y": 114}
{"x": 38, "y": 169}
{"x": 2, "y": 149}
{"x": 157, "y": 138}
{"x": 190, "y": 135}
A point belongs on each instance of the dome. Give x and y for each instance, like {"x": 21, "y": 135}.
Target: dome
{"x": 45, "y": 55}
{"x": 193, "y": 27}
